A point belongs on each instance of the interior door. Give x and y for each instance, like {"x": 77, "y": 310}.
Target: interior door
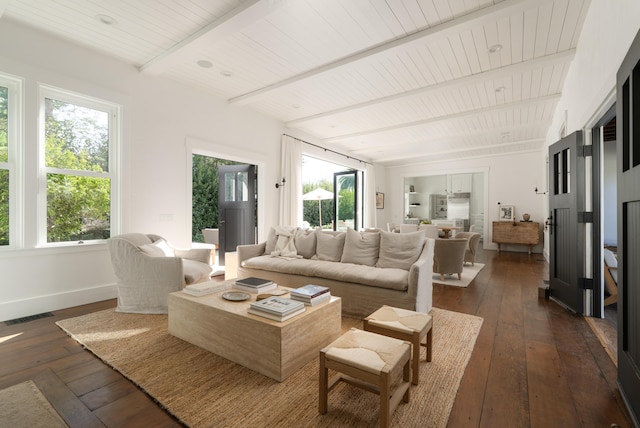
{"x": 236, "y": 207}
{"x": 628, "y": 149}
{"x": 566, "y": 235}
{"x": 345, "y": 200}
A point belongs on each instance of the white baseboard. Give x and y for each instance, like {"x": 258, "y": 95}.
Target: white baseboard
{"x": 53, "y": 302}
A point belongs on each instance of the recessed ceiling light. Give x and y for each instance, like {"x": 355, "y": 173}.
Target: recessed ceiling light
{"x": 500, "y": 89}
{"x": 226, "y": 73}
{"x": 204, "y": 63}
{"x": 106, "y": 19}
{"x": 495, "y": 48}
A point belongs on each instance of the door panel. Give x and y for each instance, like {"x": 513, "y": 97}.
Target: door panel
{"x": 236, "y": 207}
{"x": 345, "y": 200}
{"x": 566, "y": 235}
{"x": 628, "y": 180}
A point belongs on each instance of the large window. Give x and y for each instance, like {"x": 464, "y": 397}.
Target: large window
{"x": 10, "y": 107}
{"x": 78, "y": 142}
{"x": 4, "y": 165}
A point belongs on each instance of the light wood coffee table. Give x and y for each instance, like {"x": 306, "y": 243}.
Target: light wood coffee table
{"x": 275, "y": 349}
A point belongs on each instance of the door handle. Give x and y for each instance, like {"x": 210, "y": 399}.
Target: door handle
{"x": 548, "y": 223}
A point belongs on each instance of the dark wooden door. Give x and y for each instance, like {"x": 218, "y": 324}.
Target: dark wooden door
{"x": 627, "y": 117}
{"x": 566, "y": 236}
{"x": 236, "y": 207}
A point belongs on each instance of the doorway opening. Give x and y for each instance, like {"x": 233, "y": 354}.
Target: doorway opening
{"x": 224, "y": 205}
{"x": 605, "y": 311}
{"x": 331, "y": 195}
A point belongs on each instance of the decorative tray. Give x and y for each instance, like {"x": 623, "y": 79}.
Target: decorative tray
{"x": 236, "y": 296}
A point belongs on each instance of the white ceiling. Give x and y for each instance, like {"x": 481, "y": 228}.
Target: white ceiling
{"x": 391, "y": 81}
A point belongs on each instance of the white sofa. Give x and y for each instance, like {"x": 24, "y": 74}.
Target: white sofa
{"x": 366, "y": 269}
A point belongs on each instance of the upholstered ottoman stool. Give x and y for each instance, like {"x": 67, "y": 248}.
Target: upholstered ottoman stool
{"x": 369, "y": 361}
{"x": 403, "y": 324}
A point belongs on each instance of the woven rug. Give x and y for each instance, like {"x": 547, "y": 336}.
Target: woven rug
{"x": 468, "y": 274}
{"x": 23, "y": 405}
{"x": 204, "y": 390}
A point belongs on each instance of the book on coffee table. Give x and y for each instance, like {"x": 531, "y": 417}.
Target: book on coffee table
{"x": 309, "y": 291}
{"x": 204, "y": 288}
{"x": 324, "y": 297}
{"x": 281, "y": 306}
{"x": 275, "y": 317}
{"x": 255, "y": 290}
{"x": 253, "y": 282}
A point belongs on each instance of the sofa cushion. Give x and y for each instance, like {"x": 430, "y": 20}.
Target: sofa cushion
{"x": 195, "y": 271}
{"x": 305, "y": 241}
{"x": 400, "y": 250}
{"x": 329, "y": 246}
{"x": 361, "y": 248}
{"x": 160, "y": 248}
{"x": 395, "y": 279}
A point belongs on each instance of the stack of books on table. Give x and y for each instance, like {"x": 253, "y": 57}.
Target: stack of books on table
{"x": 276, "y": 308}
{"x": 254, "y": 285}
{"x": 204, "y": 288}
{"x": 311, "y": 294}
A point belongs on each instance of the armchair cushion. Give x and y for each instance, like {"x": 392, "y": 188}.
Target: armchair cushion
{"x": 160, "y": 248}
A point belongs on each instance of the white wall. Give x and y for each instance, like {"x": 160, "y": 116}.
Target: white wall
{"x": 509, "y": 179}
{"x": 589, "y": 89}
{"x": 162, "y": 122}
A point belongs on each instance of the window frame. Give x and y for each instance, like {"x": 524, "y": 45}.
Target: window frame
{"x": 114, "y": 111}
{"x": 15, "y": 125}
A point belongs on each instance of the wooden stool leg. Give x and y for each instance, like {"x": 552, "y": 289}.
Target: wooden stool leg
{"x": 415, "y": 359}
{"x": 429, "y": 344}
{"x": 385, "y": 395}
{"x": 405, "y": 377}
{"x": 323, "y": 385}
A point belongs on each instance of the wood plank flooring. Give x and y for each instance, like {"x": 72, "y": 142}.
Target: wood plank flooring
{"x": 534, "y": 363}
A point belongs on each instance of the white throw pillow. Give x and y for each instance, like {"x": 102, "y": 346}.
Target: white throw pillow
{"x": 329, "y": 245}
{"x": 400, "y": 250}
{"x": 160, "y": 248}
{"x": 361, "y": 248}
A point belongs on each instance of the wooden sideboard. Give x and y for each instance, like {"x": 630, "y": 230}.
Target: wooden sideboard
{"x": 521, "y": 232}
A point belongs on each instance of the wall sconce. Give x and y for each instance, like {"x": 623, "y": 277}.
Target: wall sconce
{"x": 539, "y": 193}
{"x": 281, "y": 184}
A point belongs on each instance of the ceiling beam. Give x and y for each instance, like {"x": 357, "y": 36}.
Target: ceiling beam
{"x": 424, "y": 157}
{"x": 440, "y": 31}
{"x": 451, "y": 138}
{"x": 236, "y": 20}
{"x": 498, "y": 73}
{"x": 431, "y": 120}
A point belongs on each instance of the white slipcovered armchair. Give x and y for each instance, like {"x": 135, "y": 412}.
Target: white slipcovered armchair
{"x": 148, "y": 268}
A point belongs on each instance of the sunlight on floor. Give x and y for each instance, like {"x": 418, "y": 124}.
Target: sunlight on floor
{"x": 7, "y": 338}
{"x": 100, "y": 336}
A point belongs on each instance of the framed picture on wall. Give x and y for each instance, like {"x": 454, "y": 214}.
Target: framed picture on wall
{"x": 507, "y": 213}
{"x": 379, "y": 200}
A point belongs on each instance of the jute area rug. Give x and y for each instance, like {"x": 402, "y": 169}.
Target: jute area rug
{"x": 204, "y": 390}
{"x": 468, "y": 274}
{"x": 23, "y": 405}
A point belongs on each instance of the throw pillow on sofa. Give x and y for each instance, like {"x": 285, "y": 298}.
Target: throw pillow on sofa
{"x": 305, "y": 241}
{"x": 400, "y": 250}
{"x": 329, "y": 245}
{"x": 361, "y": 248}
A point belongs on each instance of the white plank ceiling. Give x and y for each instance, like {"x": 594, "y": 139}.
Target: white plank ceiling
{"x": 390, "y": 81}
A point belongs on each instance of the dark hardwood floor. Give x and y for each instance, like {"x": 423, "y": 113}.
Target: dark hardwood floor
{"x": 534, "y": 363}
